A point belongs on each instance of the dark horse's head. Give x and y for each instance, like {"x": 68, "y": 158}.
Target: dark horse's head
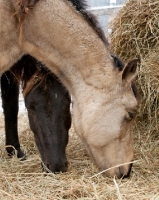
{"x": 48, "y": 105}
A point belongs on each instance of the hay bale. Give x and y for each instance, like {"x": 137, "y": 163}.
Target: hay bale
{"x": 135, "y": 33}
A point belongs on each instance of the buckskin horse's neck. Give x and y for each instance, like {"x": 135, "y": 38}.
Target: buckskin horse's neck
{"x": 56, "y": 34}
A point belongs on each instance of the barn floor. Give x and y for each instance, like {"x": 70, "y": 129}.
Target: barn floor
{"x": 26, "y": 181}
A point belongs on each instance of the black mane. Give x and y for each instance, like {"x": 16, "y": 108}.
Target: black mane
{"x": 82, "y": 6}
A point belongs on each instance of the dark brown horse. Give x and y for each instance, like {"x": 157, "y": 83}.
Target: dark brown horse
{"x": 48, "y": 105}
{"x": 68, "y": 39}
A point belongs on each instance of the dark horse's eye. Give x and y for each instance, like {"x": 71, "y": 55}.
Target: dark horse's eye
{"x": 131, "y": 115}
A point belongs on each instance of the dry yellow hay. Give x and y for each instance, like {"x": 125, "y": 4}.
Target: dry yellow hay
{"x": 24, "y": 180}
{"x": 135, "y": 33}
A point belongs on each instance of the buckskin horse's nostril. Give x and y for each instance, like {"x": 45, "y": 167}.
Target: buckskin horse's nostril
{"x": 122, "y": 173}
{"x": 128, "y": 173}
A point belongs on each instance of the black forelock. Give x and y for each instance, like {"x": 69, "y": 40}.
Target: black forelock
{"x": 118, "y": 63}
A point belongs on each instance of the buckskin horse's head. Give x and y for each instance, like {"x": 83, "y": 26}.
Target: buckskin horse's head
{"x": 106, "y": 121}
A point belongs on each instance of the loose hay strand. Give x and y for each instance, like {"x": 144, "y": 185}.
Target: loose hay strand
{"x": 114, "y": 167}
{"x": 2, "y": 191}
{"x": 118, "y": 191}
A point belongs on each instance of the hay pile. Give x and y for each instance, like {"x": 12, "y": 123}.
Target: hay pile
{"x": 26, "y": 181}
{"x": 135, "y": 34}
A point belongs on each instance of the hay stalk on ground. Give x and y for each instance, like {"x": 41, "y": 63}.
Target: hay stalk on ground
{"x": 25, "y": 180}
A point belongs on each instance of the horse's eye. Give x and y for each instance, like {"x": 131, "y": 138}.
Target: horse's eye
{"x": 131, "y": 115}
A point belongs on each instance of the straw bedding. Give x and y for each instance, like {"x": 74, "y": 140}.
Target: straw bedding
{"x": 24, "y": 180}
{"x": 134, "y": 34}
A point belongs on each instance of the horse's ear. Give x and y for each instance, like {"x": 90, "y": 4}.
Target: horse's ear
{"x": 129, "y": 72}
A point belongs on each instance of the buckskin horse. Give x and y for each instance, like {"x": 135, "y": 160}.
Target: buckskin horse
{"x": 48, "y": 105}
{"x": 68, "y": 39}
